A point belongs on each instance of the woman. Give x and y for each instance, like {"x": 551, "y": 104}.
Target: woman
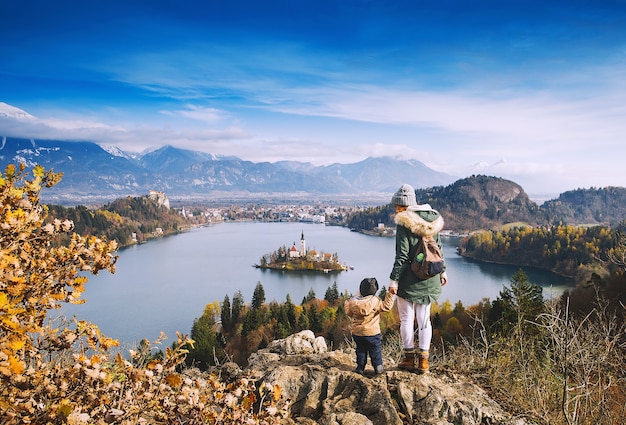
{"x": 414, "y": 295}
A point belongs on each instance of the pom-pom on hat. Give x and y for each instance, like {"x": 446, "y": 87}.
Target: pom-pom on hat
{"x": 369, "y": 286}
{"x": 404, "y": 196}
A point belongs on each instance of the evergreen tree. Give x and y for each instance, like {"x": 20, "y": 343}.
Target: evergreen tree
{"x": 206, "y": 350}
{"x": 237, "y": 307}
{"x": 517, "y": 306}
{"x": 437, "y": 324}
{"x": 303, "y": 321}
{"x": 291, "y": 312}
{"x": 332, "y": 293}
{"x": 258, "y": 297}
{"x": 309, "y": 297}
{"x": 382, "y": 293}
{"x": 528, "y": 301}
{"x": 249, "y": 322}
{"x": 283, "y": 327}
{"x": 314, "y": 319}
{"x": 226, "y": 314}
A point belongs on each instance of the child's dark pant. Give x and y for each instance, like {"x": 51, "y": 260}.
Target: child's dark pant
{"x": 372, "y": 345}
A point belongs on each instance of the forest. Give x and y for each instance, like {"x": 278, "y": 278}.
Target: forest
{"x": 126, "y": 220}
{"x": 572, "y": 251}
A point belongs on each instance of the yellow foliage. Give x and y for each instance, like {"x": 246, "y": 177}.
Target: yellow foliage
{"x": 112, "y": 216}
{"x": 65, "y": 408}
{"x": 15, "y": 365}
{"x": 47, "y": 375}
{"x": 445, "y": 308}
{"x": 16, "y": 344}
{"x": 276, "y": 393}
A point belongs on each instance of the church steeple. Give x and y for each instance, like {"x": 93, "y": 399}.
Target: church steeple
{"x": 302, "y": 245}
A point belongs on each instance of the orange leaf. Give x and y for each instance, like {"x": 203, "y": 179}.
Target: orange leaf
{"x": 174, "y": 380}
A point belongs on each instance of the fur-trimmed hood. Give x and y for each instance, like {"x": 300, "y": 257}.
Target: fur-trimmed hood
{"x": 421, "y": 220}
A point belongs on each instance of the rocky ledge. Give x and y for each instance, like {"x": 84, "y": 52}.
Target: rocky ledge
{"x": 323, "y": 389}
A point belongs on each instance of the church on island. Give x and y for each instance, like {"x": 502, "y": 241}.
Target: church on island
{"x": 299, "y": 259}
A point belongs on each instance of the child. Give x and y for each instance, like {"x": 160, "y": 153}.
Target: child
{"x": 364, "y": 310}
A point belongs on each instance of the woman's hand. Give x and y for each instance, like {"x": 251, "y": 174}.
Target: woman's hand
{"x": 393, "y": 286}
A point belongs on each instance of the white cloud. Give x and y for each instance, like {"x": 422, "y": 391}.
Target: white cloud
{"x": 199, "y": 113}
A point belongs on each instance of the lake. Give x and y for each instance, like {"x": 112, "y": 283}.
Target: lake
{"x": 163, "y": 285}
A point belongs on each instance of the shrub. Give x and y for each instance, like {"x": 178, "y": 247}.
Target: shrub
{"x": 62, "y": 371}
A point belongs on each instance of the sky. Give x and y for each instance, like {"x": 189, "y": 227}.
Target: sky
{"x": 531, "y": 91}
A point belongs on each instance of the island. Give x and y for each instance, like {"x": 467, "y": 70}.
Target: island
{"x": 301, "y": 259}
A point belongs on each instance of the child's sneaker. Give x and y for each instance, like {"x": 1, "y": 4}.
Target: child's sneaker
{"x": 379, "y": 369}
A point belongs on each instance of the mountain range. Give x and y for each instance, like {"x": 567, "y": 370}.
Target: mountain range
{"x": 94, "y": 172}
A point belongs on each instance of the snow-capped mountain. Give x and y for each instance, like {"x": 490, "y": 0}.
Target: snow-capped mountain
{"x": 8, "y": 111}
{"x": 92, "y": 171}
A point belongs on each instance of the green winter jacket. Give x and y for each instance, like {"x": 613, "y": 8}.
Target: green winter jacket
{"x": 411, "y": 225}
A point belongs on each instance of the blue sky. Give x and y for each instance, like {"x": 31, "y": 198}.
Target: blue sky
{"x": 532, "y": 91}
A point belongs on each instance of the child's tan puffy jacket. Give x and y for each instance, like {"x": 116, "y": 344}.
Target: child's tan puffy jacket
{"x": 365, "y": 313}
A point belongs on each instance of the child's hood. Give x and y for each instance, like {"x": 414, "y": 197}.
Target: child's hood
{"x": 364, "y": 305}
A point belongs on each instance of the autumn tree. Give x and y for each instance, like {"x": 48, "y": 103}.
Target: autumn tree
{"x": 37, "y": 277}
{"x": 58, "y": 371}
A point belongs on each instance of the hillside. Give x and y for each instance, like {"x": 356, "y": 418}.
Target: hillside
{"x": 481, "y": 202}
{"x": 593, "y": 206}
{"x": 484, "y": 202}
{"x": 126, "y": 220}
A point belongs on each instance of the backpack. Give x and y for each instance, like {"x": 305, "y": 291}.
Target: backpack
{"x": 428, "y": 260}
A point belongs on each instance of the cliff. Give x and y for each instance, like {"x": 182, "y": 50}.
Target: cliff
{"x": 322, "y": 388}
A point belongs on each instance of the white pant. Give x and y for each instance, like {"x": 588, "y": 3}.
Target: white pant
{"x": 408, "y": 312}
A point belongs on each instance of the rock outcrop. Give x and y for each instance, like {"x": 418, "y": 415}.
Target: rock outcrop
{"x": 323, "y": 389}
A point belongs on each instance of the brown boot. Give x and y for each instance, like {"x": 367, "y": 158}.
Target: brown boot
{"x": 422, "y": 362}
{"x": 408, "y": 362}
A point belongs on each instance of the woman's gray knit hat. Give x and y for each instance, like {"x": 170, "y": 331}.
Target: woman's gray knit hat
{"x": 405, "y": 196}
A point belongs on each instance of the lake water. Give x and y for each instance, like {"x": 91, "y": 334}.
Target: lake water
{"x": 165, "y": 284}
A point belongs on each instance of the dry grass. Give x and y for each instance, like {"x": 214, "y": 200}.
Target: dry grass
{"x": 572, "y": 373}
